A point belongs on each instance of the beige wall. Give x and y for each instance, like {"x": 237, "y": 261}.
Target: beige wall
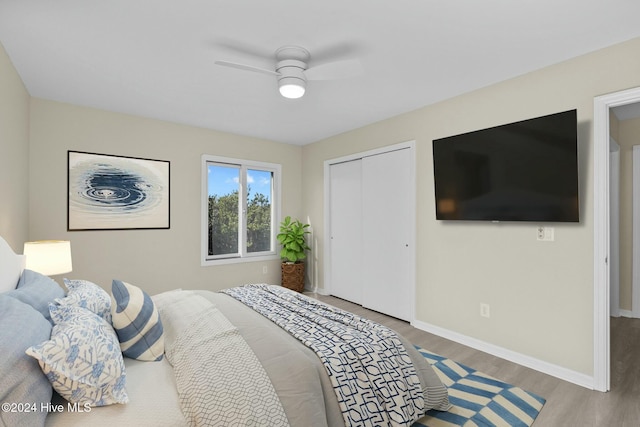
{"x": 14, "y": 155}
{"x": 627, "y": 136}
{"x": 540, "y": 293}
{"x": 156, "y": 260}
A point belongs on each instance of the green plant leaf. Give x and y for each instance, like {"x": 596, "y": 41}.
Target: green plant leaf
{"x": 292, "y": 238}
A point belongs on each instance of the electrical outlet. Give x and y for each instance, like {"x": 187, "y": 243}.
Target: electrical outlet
{"x": 545, "y": 234}
{"x": 264, "y": 269}
{"x": 485, "y": 310}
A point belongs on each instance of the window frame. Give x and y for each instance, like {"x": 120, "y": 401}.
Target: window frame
{"x": 242, "y": 255}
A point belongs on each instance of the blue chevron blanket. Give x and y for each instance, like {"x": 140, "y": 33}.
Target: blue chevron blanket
{"x": 372, "y": 374}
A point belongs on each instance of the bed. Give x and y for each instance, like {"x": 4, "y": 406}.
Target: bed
{"x": 250, "y": 355}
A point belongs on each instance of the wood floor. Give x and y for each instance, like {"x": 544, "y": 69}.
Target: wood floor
{"x": 568, "y": 405}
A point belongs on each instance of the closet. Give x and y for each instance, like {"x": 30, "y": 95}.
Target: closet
{"x": 372, "y": 230}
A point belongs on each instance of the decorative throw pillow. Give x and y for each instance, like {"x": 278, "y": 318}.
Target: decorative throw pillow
{"x": 82, "y": 360}
{"x": 22, "y": 380}
{"x": 137, "y": 322}
{"x": 85, "y": 294}
{"x": 37, "y": 291}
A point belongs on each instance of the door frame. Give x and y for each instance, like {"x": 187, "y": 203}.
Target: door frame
{"x": 614, "y": 218}
{"x": 614, "y": 238}
{"x": 411, "y": 145}
{"x": 635, "y": 269}
{"x": 601, "y": 232}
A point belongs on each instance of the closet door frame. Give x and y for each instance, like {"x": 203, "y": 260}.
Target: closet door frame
{"x": 411, "y": 145}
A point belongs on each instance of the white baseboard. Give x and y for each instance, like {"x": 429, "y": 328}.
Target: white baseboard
{"x": 626, "y": 313}
{"x": 512, "y": 356}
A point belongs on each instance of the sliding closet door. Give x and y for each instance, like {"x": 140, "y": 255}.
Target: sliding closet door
{"x": 346, "y": 230}
{"x": 387, "y": 205}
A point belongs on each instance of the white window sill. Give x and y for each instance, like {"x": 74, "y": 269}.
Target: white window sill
{"x": 237, "y": 260}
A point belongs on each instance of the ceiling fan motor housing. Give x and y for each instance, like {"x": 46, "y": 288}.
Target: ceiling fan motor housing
{"x": 291, "y": 69}
{"x": 292, "y": 61}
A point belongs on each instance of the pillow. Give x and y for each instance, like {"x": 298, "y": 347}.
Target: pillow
{"x": 11, "y": 266}
{"x": 82, "y": 360}
{"x": 87, "y": 295}
{"x": 37, "y": 290}
{"x": 22, "y": 379}
{"x": 137, "y": 322}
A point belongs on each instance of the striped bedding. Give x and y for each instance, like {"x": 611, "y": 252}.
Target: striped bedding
{"x": 374, "y": 378}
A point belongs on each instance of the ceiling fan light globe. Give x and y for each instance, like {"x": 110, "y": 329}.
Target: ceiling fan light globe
{"x": 292, "y": 91}
{"x": 291, "y": 88}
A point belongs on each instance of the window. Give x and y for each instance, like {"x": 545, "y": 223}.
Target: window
{"x": 239, "y": 210}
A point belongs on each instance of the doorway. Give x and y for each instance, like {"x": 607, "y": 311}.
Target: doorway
{"x": 602, "y": 232}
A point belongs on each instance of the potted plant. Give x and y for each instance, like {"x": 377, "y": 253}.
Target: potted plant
{"x": 294, "y": 247}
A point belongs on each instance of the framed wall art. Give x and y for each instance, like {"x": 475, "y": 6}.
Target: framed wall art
{"x": 108, "y": 192}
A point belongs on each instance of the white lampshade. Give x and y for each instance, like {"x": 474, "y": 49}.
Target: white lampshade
{"x": 48, "y": 257}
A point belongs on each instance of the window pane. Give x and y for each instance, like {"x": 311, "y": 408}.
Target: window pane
{"x": 240, "y": 209}
{"x": 259, "y": 196}
{"x": 223, "y": 190}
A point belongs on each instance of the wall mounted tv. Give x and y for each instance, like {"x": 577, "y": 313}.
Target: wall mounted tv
{"x": 523, "y": 171}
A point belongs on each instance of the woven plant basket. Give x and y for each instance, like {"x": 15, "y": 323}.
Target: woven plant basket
{"x": 293, "y": 276}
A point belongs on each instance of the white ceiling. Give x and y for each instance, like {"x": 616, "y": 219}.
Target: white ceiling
{"x": 155, "y": 58}
{"x": 628, "y": 111}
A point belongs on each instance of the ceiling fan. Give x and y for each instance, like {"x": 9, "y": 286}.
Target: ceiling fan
{"x": 292, "y": 70}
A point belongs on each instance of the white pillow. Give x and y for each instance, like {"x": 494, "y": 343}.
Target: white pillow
{"x": 85, "y": 294}
{"x": 137, "y": 322}
{"x": 11, "y": 266}
{"x": 82, "y": 360}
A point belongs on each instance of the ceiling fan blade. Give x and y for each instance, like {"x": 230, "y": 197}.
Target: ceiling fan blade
{"x": 247, "y": 68}
{"x": 335, "y": 70}
{"x": 238, "y": 47}
{"x": 337, "y": 52}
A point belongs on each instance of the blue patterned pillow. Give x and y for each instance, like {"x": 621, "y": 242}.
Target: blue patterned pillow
{"x": 82, "y": 360}
{"x": 21, "y": 378}
{"x": 137, "y": 322}
{"x": 37, "y": 291}
{"x": 85, "y": 294}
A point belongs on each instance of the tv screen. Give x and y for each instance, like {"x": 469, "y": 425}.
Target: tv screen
{"x": 523, "y": 171}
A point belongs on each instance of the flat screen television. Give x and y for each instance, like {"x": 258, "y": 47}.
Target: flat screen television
{"x": 523, "y": 171}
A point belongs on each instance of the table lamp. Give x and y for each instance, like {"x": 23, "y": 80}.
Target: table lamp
{"x": 48, "y": 257}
